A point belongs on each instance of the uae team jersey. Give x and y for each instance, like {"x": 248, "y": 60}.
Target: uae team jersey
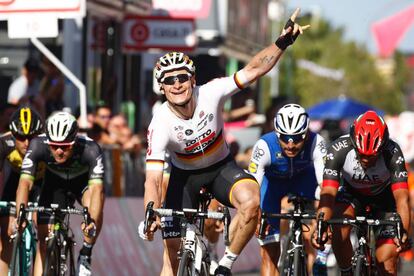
{"x": 198, "y": 142}
{"x": 342, "y": 164}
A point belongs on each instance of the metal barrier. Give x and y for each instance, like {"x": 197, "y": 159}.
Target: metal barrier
{"x": 124, "y": 171}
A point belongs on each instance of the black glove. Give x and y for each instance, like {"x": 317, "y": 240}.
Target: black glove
{"x": 287, "y": 39}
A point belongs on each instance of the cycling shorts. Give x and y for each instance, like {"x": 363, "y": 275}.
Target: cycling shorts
{"x": 381, "y": 207}
{"x": 184, "y": 187}
{"x": 273, "y": 190}
{"x": 61, "y": 191}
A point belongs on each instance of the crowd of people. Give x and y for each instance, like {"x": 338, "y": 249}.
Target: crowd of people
{"x": 49, "y": 157}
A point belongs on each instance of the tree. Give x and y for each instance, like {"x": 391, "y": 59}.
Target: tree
{"x": 362, "y": 80}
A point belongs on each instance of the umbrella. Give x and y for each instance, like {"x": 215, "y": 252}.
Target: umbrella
{"x": 340, "y": 108}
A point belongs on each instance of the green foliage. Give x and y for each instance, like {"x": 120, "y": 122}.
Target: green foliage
{"x": 326, "y": 47}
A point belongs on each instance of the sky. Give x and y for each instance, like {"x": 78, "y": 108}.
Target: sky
{"x": 357, "y": 16}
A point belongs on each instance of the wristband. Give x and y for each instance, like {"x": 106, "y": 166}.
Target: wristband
{"x": 283, "y": 41}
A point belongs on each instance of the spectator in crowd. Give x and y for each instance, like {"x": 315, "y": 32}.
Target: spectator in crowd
{"x": 121, "y": 134}
{"x": 5, "y": 114}
{"x": 99, "y": 131}
{"x": 52, "y": 87}
{"x": 27, "y": 84}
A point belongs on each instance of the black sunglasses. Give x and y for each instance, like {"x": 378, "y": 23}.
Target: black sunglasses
{"x": 62, "y": 147}
{"x": 291, "y": 138}
{"x": 172, "y": 79}
{"x": 24, "y": 137}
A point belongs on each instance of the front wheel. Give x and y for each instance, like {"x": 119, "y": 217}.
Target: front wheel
{"x": 186, "y": 266}
{"x": 52, "y": 265}
{"x": 360, "y": 267}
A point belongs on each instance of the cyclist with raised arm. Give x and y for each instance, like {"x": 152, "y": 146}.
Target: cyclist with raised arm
{"x": 25, "y": 124}
{"x": 190, "y": 126}
{"x": 287, "y": 160}
{"x": 369, "y": 170}
{"x": 74, "y": 171}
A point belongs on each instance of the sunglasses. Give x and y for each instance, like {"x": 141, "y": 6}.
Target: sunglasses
{"x": 172, "y": 79}
{"x": 24, "y": 137}
{"x": 295, "y": 139}
{"x": 62, "y": 147}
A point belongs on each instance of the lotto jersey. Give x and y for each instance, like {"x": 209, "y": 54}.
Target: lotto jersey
{"x": 198, "y": 142}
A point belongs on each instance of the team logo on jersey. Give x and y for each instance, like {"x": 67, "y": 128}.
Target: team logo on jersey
{"x": 201, "y": 114}
{"x": 403, "y": 174}
{"x": 178, "y": 128}
{"x": 188, "y": 132}
{"x": 180, "y": 136}
{"x": 279, "y": 155}
{"x": 210, "y": 117}
{"x": 329, "y": 156}
{"x": 340, "y": 145}
{"x": 321, "y": 146}
{"x": 258, "y": 153}
{"x": 330, "y": 172}
{"x": 253, "y": 167}
{"x": 149, "y": 141}
{"x": 400, "y": 160}
{"x": 27, "y": 162}
{"x": 99, "y": 168}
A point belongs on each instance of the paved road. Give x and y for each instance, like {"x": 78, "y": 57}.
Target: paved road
{"x": 407, "y": 269}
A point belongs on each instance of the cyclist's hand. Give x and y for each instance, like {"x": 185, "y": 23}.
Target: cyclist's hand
{"x": 290, "y": 32}
{"x": 315, "y": 244}
{"x": 89, "y": 230}
{"x": 404, "y": 244}
{"x": 149, "y": 235}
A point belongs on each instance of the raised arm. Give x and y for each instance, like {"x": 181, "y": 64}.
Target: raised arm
{"x": 262, "y": 62}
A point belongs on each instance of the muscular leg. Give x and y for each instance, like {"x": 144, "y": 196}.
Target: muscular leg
{"x": 387, "y": 258}
{"x": 170, "y": 261}
{"x": 341, "y": 242}
{"x": 245, "y": 198}
{"x": 42, "y": 232}
{"x": 270, "y": 255}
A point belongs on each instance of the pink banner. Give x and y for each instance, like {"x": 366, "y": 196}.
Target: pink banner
{"x": 389, "y": 32}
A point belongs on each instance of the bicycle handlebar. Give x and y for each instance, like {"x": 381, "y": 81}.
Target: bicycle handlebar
{"x": 151, "y": 213}
{"x": 394, "y": 220}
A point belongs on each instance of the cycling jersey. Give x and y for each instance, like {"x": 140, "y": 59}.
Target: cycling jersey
{"x": 198, "y": 142}
{"x": 280, "y": 175}
{"x": 86, "y": 159}
{"x": 342, "y": 164}
{"x": 10, "y": 155}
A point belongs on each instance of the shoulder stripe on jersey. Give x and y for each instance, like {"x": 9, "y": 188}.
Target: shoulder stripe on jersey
{"x": 154, "y": 165}
{"x": 330, "y": 183}
{"x": 238, "y": 82}
{"x": 399, "y": 185}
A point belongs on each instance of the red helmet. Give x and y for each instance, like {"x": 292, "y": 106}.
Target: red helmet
{"x": 369, "y": 133}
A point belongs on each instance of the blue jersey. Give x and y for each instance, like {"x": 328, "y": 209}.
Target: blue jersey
{"x": 280, "y": 175}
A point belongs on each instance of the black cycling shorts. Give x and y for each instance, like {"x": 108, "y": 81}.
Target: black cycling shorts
{"x": 380, "y": 206}
{"x": 61, "y": 191}
{"x": 184, "y": 187}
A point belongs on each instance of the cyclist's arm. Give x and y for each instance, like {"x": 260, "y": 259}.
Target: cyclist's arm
{"x": 401, "y": 197}
{"x": 95, "y": 207}
{"x": 264, "y": 61}
{"x": 153, "y": 184}
{"x": 22, "y": 193}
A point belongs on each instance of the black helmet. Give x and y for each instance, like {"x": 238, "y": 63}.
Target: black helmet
{"x": 25, "y": 122}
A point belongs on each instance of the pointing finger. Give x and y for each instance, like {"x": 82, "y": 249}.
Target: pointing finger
{"x": 295, "y": 14}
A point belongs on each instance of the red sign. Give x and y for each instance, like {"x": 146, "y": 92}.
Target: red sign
{"x": 142, "y": 33}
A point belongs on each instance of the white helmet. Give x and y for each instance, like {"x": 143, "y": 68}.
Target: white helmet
{"x": 173, "y": 61}
{"x": 61, "y": 128}
{"x": 291, "y": 119}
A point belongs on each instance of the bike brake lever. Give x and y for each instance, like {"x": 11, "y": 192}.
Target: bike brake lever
{"x": 320, "y": 226}
{"x": 227, "y": 220}
{"x": 263, "y": 226}
{"x": 149, "y": 216}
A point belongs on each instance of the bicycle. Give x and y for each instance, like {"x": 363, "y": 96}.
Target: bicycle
{"x": 193, "y": 255}
{"x": 24, "y": 243}
{"x": 293, "y": 257}
{"x": 363, "y": 259}
{"x": 59, "y": 258}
